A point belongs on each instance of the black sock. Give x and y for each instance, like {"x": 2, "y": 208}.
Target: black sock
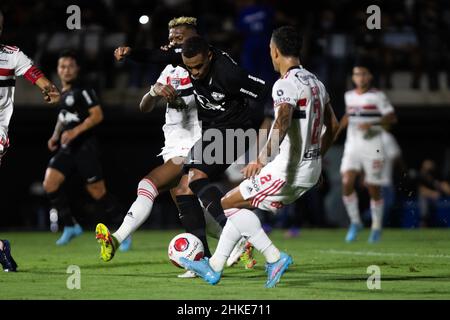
{"x": 59, "y": 201}
{"x": 211, "y": 198}
{"x": 192, "y": 218}
{"x": 109, "y": 209}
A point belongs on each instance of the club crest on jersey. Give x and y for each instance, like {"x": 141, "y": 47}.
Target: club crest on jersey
{"x": 175, "y": 82}
{"x": 217, "y": 96}
{"x": 69, "y": 100}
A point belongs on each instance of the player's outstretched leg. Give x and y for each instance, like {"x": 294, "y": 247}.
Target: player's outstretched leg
{"x": 276, "y": 269}
{"x": 6, "y": 259}
{"x": 203, "y": 269}
{"x": 108, "y": 242}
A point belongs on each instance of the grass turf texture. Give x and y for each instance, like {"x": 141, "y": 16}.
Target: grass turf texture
{"x": 415, "y": 264}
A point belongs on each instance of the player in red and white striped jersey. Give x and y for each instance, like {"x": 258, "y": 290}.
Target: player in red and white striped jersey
{"x": 367, "y": 111}
{"x": 13, "y": 63}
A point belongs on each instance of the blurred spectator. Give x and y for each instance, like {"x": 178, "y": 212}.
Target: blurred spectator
{"x": 431, "y": 188}
{"x": 255, "y": 21}
{"x": 400, "y": 45}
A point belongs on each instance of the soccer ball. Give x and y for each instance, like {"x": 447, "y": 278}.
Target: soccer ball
{"x": 185, "y": 245}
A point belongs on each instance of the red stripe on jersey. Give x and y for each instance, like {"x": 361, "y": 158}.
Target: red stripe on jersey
{"x": 6, "y": 72}
{"x": 370, "y": 107}
{"x": 183, "y": 81}
{"x": 13, "y": 48}
{"x": 301, "y": 102}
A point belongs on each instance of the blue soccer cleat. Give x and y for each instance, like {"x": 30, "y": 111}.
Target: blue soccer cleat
{"x": 6, "y": 260}
{"x": 68, "y": 234}
{"x": 353, "y": 231}
{"x": 202, "y": 269}
{"x": 375, "y": 236}
{"x": 275, "y": 270}
{"x": 126, "y": 244}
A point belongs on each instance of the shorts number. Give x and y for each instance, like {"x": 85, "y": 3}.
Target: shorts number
{"x": 316, "y": 124}
{"x": 266, "y": 178}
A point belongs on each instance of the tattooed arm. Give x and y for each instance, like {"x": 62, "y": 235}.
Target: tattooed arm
{"x": 279, "y": 129}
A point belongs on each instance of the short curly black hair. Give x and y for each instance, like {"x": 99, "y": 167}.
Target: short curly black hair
{"x": 194, "y": 46}
{"x": 288, "y": 40}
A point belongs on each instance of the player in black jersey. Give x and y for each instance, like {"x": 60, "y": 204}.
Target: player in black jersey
{"x": 76, "y": 147}
{"x": 222, "y": 90}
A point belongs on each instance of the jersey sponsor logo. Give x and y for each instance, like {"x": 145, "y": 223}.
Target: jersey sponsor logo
{"x": 280, "y": 92}
{"x": 217, "y": 96}
{"x": 67, "y": 117}
{"x": 256, "y": 79}
{"x": 251, "y": 94}
{"x": 282, "y": 100}
{"x": 206, "y": 104}
{"x": 70, "y": 100}
{"x": 3, "y": 62}
{"x": 311, "y": 155}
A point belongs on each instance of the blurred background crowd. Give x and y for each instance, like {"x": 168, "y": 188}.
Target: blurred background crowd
{"x": 411, "y": 55}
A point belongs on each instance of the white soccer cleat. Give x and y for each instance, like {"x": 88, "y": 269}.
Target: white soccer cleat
{"x": 238, "y": 250}
{"x": 188, "y": 274}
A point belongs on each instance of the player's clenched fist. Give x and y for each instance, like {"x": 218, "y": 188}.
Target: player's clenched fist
{"x": 166, "y": 91}
{"x": 121, "y": 52}
{"x": 52, "y": 144}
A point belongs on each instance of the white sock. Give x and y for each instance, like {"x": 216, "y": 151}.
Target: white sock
{"x": 249, "y": 226}
{"x": 351, "y": 205}
{"x": 376, "y": 209}
{"x": 228, "y": 239}
{"x": 139, "y": 210}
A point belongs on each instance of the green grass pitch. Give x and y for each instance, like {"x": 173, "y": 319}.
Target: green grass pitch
{"x": 414, "y": 264}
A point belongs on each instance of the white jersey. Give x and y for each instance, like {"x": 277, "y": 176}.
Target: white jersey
{"x": 182, "y": 128}
{"x": 13, "y": 62}
{"x": 368, "y": 107}
{"x": 299, "y": 153}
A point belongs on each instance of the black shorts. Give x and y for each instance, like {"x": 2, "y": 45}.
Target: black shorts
{"x": 83, "y": 158}
{"x": 213, "y": 157}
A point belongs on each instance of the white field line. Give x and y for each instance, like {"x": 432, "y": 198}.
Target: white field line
{"x": 385, "y": 254}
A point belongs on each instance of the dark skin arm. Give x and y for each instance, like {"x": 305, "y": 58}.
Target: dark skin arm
{"x": 280, "y": 127}
{"x": 163, "y": 93}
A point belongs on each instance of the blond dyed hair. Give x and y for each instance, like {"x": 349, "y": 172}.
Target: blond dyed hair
{"x": 180, "y": 21}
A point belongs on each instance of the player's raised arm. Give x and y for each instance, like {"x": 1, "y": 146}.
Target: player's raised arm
{"x": 25, "y": 67}
{"x": 331, "y": 129}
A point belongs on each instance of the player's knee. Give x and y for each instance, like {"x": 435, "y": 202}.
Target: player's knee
{"x": 50, "y": 185}
{"x": 182, "y": 191}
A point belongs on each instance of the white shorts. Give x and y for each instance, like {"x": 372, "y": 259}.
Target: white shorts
{"x": 178, "y": 142}
{"x": 357, "y": 160}
{"x": 269, "y": 191}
